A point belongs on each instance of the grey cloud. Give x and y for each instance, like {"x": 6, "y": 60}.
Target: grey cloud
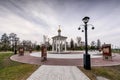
{"x": 104, "y": 14}
{"x": 22, "y": 11}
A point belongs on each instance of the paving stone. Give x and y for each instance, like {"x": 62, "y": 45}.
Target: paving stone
{"x": 101, "y": 78}
{"x": 47, "y": 72}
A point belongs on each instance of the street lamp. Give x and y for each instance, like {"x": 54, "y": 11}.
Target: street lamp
{"x": 15, "y": 50}
{"x": 87, "y": 61}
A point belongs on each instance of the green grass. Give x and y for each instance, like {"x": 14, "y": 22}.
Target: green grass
{"x": 111, "y": 73}
{"x": 10, "y": 70}
{"x": 116, "y": 51}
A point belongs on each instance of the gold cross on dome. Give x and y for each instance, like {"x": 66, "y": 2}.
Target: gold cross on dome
{"x": 59, "y": 26}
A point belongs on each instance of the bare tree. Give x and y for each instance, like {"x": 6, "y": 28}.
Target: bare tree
{"x": 27, "y": 44}
{"x": 12, "y": 37}
{"x": 93, "y": 45}
{"x": 78, "y": 41}
{"x": 72, "y": 44}
{"x": 98, "y": 44}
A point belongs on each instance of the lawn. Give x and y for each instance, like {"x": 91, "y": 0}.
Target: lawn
{"x": 116, "y": 51}
{"x": 112, "y": 72}
{"x": 10, "y": 70}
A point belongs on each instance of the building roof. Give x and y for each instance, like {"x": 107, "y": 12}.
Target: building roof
{"x": 59, "y": 37}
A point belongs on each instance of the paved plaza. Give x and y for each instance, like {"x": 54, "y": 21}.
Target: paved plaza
{"x": 72, "y": 59}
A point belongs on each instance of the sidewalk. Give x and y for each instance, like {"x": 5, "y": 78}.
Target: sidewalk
{"x": 46, "y": 72}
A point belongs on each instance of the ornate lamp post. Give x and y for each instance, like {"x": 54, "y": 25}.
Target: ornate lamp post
{"x": 87, "y": 61}
{"x": 15, "y": 50}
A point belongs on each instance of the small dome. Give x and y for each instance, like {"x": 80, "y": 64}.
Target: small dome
{"x": 59, "y": 30}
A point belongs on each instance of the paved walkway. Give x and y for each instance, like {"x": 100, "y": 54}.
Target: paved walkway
{"x": 46, "y": 72}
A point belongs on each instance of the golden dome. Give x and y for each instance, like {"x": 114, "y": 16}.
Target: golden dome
{"x": 59, "y": 30}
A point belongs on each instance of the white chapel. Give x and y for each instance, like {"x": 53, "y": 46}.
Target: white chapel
{"x": 59, "y": 42}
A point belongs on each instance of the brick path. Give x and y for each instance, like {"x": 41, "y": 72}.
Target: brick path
{"x": 68, "y": 62}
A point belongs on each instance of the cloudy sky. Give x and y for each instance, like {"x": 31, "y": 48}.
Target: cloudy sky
{"x": 31, "y": 19}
